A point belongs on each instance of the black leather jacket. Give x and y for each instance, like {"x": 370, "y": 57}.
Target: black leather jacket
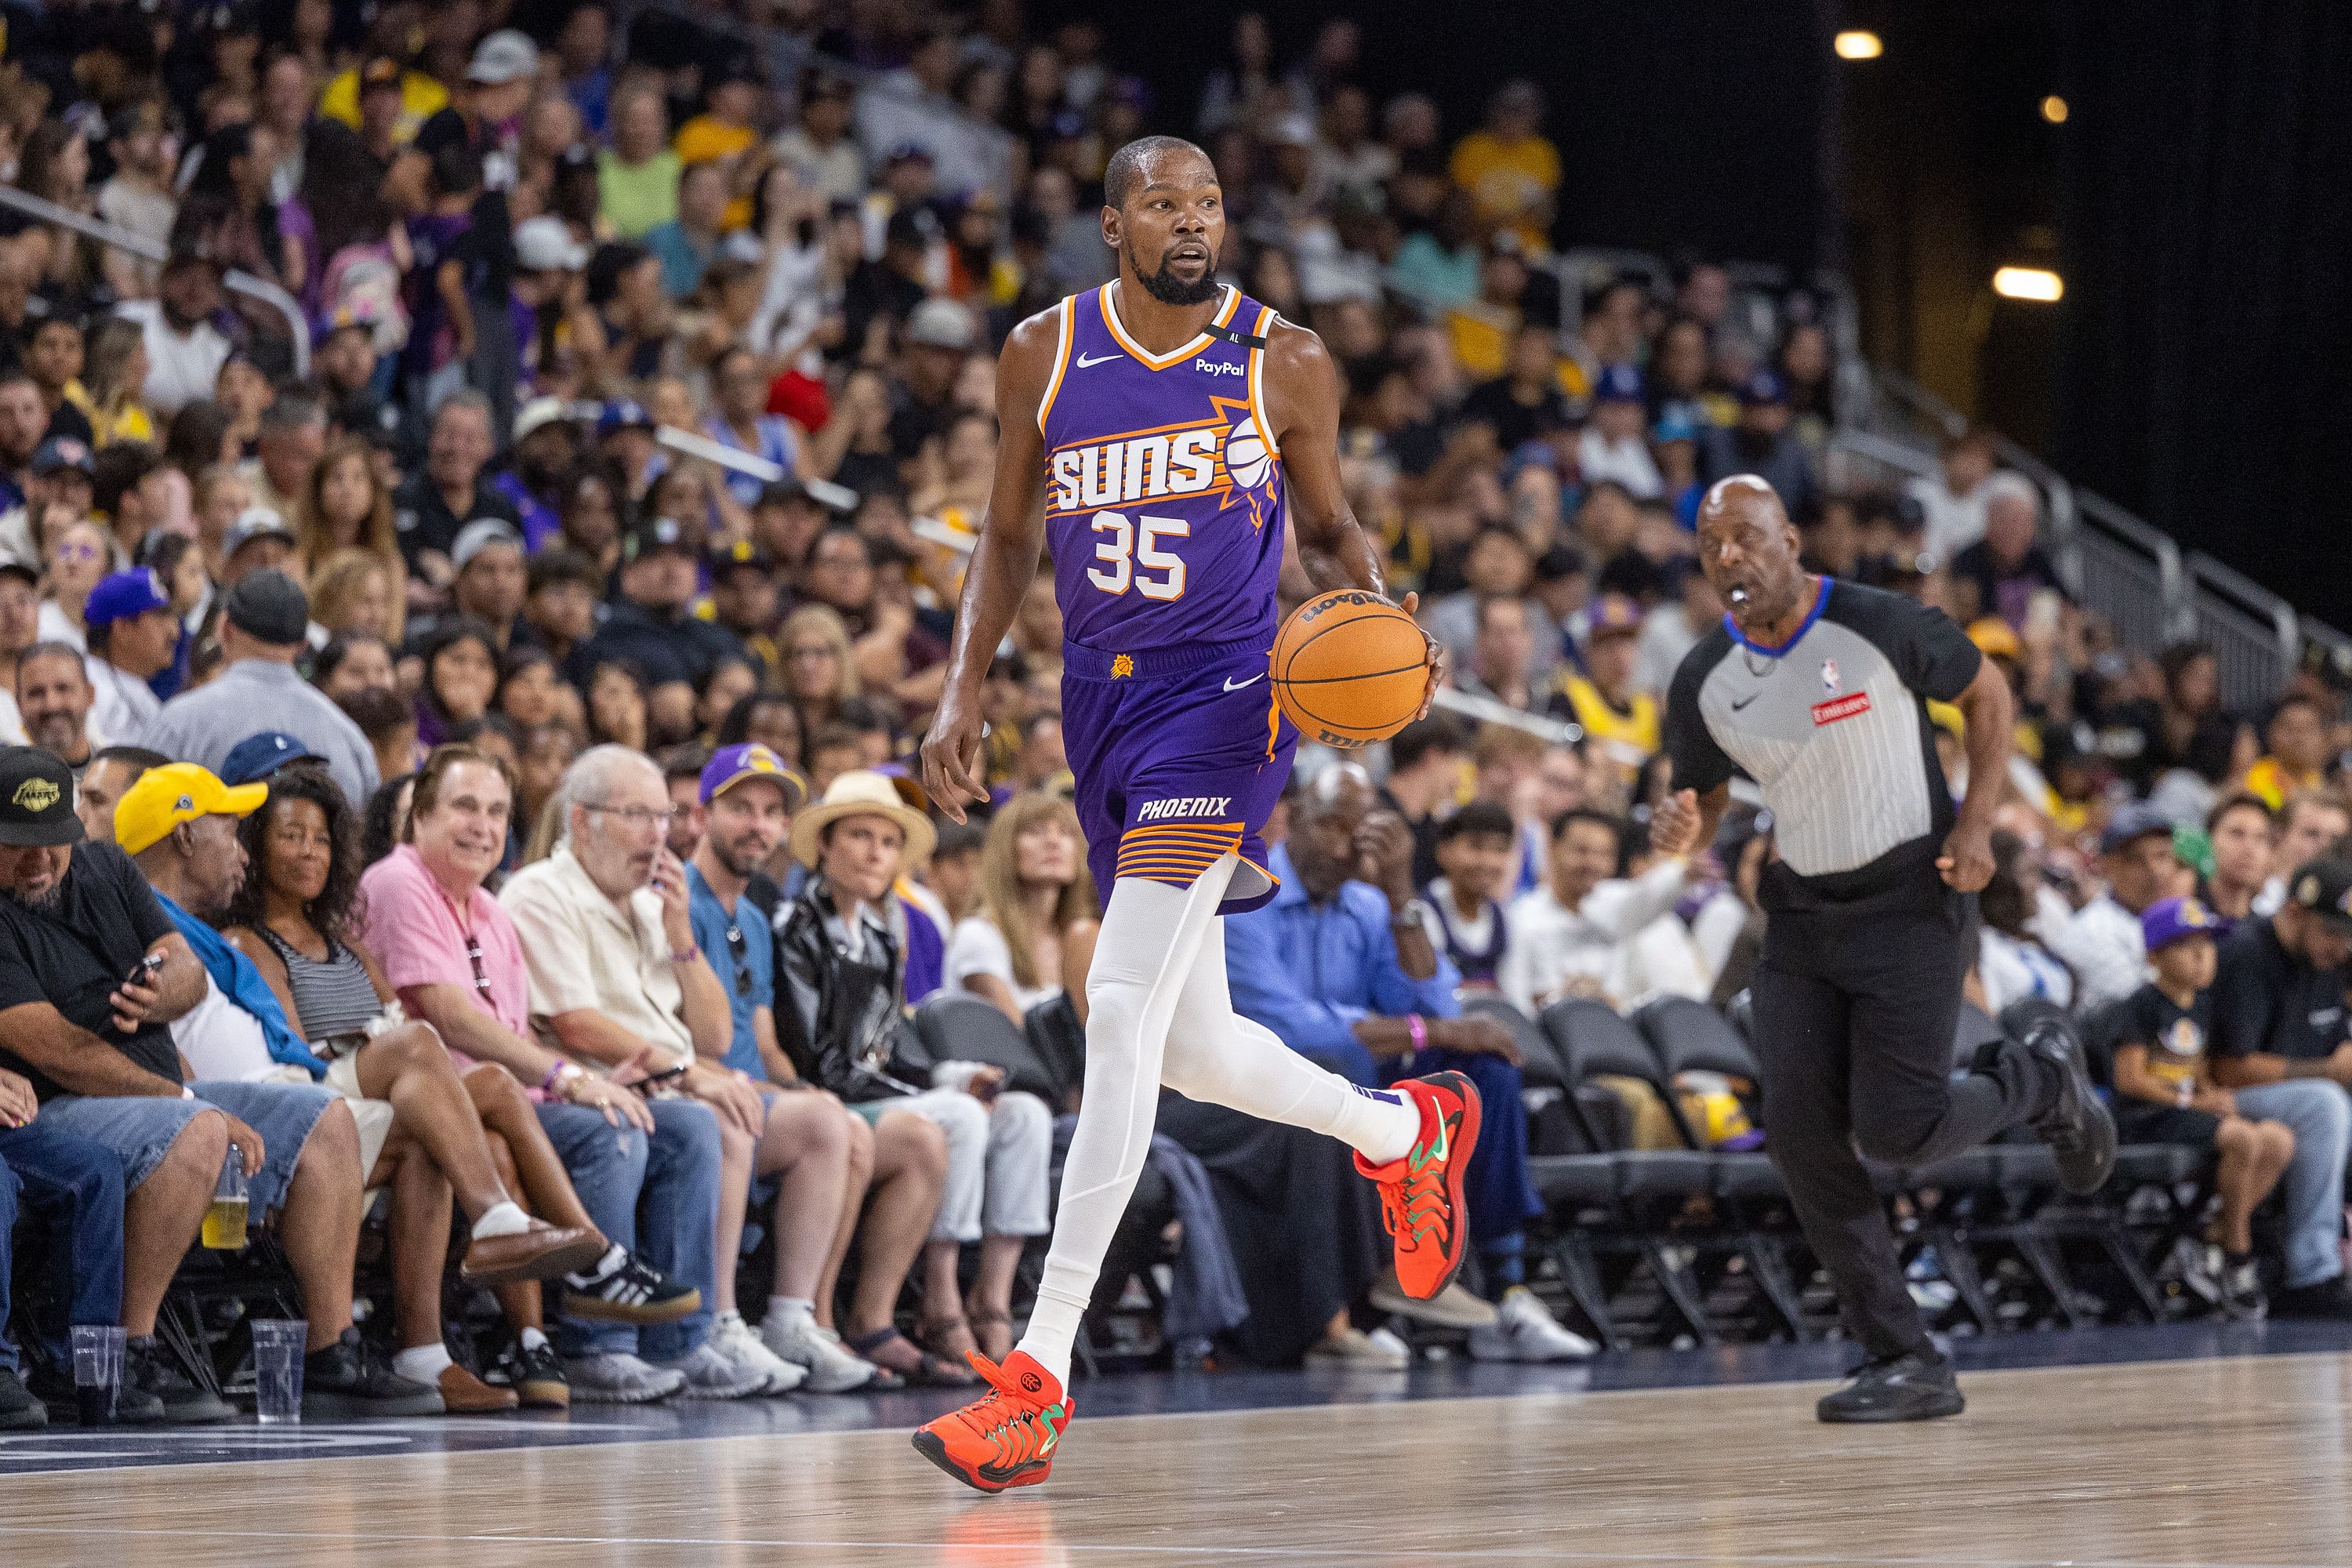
{"x": 842, "y": 1019}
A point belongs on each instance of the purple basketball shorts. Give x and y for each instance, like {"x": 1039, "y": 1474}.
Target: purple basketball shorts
{"x": 1179, "y": 755}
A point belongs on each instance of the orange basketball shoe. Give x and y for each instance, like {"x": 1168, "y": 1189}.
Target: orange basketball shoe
{"x": 1007, "y": 1437}
{"x": 1420, "y": 1194}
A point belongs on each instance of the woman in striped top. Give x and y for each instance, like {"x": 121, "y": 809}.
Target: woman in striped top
{"x": 292, "y": 919}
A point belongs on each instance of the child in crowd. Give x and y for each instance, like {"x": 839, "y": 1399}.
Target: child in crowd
{"x": 1474, "y": 851}
{"x": 2165, "y": 1091}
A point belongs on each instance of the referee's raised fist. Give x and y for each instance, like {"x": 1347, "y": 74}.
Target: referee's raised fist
{"x": 1673, "y": 825}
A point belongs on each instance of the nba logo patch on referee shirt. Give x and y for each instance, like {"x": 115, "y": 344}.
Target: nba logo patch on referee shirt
{"x": 1828, "y": 674}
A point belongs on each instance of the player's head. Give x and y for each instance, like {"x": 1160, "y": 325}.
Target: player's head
{"x": 1749, "y": 549}
{"x": 1164, "y": 213}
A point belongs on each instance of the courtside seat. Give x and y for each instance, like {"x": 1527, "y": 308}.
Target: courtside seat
{"x": 1586, "y": 1181}
{"x": 959, "y": 1026}
{"x": 1540, "y": 1065}
{"x": 1747, "y": 1175}
{"x": 1971, "y": 1170}
{"x": 1666, "y": 1173}
{"x": 2028, "y": 1166}
{"x": 2159, "y": 1165}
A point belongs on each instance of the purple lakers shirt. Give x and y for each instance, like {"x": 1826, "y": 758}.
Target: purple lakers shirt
{"x": 1163, "y": 515}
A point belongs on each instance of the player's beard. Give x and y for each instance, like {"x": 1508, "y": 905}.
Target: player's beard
{"x": 1170, "y": 289}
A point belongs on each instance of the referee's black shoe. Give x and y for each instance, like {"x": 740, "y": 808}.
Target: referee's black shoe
{"x": 1916, "y": 1385}
{"x": 2077, "y": 1125}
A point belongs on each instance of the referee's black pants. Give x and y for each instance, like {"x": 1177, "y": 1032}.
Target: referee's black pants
{"x": 1855, "y": 1008}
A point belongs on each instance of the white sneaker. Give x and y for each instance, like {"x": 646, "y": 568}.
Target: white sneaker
{"x": 801, "y": 1344}
{"x": 619, "y": 1380}
{"x": 731, "y": 1337}
{"x": 711, "y": 1373}
{"x": 1525, "y": 1332}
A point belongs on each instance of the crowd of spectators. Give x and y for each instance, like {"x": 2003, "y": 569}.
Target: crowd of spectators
{"x": 542, "y": 661}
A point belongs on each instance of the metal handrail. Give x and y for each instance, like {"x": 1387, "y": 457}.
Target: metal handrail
{"x": 138, "y": 245}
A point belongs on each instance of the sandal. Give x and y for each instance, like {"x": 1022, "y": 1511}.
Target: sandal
{"x": 915, "y": 1365}
{"x": 940, "y": 1335}
{"x": 995, "y": 1332}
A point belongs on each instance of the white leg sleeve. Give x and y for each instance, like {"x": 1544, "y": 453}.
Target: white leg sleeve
{"x": 1217, "y": 1055}
{"x": 1152, "y": 935}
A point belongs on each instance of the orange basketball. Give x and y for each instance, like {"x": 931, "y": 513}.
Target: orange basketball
{"x": 1349, "y": 668}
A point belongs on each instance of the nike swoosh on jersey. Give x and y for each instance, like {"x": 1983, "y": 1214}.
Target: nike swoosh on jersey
{"x": 1099, "y": 359}
{"x": 1746, "y": 700}
{"x": 1233, "y": 685}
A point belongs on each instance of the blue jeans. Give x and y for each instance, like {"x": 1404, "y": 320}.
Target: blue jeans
{"x": 666, "y": 1189}
{"x": 140, "y": 1132}
{"x": 1500, "y": 1192}
{"x": 2319, "y": 1114}
{"x": 75, "y": 1187}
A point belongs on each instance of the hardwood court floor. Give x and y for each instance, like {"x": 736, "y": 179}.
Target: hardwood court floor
{"x": 2227, "y": 1463}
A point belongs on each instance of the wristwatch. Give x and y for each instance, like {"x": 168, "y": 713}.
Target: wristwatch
{"x": 1408, "y": 918}
{"x": 559, "y": 1078}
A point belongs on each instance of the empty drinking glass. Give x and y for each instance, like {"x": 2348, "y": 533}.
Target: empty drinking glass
{"x": 98, "y": 1371}
{"x": 278, "y": 1344}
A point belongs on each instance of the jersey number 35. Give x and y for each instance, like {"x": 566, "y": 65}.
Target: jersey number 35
{"x": 1132, "y": 552}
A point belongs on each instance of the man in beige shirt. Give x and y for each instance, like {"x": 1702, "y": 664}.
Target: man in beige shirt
{"x": 618, "y": 984}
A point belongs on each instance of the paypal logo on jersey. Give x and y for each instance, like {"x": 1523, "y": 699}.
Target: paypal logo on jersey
{"x": 1213, "y": 367}
{"x": 1187, "y": 806}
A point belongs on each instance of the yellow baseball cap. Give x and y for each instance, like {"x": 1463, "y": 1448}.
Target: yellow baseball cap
{"x": 175, "y": 792}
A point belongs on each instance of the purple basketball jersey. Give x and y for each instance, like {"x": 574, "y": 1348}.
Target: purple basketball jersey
{"x": 1163, "y": 498}
{"x": 1163, "y": 512}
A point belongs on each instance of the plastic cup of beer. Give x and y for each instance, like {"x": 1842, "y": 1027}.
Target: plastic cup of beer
{"x": 225, "y": 1216}
{"x": 98, "y": 1371}
{"x": 278, "y": 1344}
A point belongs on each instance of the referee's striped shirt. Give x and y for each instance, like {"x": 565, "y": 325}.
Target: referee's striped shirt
{"x": 1833, "y": 726}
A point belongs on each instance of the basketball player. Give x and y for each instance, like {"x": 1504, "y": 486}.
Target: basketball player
{"x": 1818, "y": 690}
{"x": 1169, "y": 426}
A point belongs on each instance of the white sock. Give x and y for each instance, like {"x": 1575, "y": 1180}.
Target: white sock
{"x": 423, "y": 1365}
{"x": 531, "y": 1338}
{"x": 1218, "y": 1057}
{"x": 789, "y": 1311}
{"x": 505, "y": 1218}
{"x": 1151, "y": 936}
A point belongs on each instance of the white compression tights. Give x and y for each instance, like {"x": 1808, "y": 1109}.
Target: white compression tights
{"x": 1158, "y": 1011}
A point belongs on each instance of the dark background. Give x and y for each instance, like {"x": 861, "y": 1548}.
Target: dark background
{"x": 2198, "y": 201}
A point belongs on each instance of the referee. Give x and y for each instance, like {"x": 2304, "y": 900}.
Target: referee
{"x": 1818, "y": 690}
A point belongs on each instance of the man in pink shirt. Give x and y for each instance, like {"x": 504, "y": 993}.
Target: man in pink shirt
{"x": 450, "y": 952}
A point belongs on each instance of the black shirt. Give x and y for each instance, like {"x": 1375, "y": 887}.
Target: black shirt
{"x": 1515, "y": 422}
{"x": 2268, "y": 1002}
{"x": 425, "y": 522}
{"x": 74, "y": 954}
{"x": 667, "y": 648}
{"x": 2174, "y": 1037}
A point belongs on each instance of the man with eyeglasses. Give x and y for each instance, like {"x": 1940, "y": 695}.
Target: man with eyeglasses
{"x": 747, "y": 797}
{"x": 451, "y": 955}
{"x": 620, "y": 984}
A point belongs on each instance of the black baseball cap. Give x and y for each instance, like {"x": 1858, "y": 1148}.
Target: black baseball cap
{"x": 2322, "y": 889}
{"x": 37, "y": 799}
{"x": 270, "y": 606}
{"x": 727, "y": 557}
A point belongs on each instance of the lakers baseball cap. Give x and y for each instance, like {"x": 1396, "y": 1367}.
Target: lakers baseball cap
{"x": 175, "y": 792}
{"x": 2324, "y": 890}
{"x": 731, "y": 765}
{"x": 37, "y": 799}
{"x": 1614, "y": 615}
{"x": 2168, "y": 920}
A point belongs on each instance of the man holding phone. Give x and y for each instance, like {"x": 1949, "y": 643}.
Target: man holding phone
{"x": 619, "y": 984}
